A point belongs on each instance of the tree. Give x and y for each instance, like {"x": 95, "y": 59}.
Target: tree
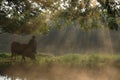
{"x": 90, "y": 13}
{"x": 37, "y": 16}
{"x": 112, "y": 8}
{"x": 21, "y": 17}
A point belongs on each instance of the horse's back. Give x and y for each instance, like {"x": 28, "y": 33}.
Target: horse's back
{"x": 22, "y": 49}
{"x": 17, "y": 48}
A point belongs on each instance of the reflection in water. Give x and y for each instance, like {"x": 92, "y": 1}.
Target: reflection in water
{"x": 10, "y": 78}
{"x": 4, "y": 78}
{"x": 17, "y": 78}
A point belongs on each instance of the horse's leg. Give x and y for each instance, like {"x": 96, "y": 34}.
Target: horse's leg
{"x": 13, "y": 56}
{"x": 34, "y": 57}
{"x": 23, "y": 58}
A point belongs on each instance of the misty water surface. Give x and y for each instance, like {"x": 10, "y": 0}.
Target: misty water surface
{"x": 58, "y": 72}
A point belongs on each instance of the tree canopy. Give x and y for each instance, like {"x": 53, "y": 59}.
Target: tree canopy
{"x": 38, "y": 16}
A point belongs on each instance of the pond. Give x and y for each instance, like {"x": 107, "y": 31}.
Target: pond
{"x": 18, "y": 78}
{"x": 58, "y": 72}
{"x": 10, "y": 78}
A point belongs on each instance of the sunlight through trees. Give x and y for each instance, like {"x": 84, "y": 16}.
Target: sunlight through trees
{"x": 38, "y": 16}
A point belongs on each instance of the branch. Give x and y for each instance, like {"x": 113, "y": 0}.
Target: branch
{"x": 102, "y": 3}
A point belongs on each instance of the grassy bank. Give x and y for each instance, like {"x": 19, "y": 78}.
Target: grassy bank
{"x": 65, "y": 67}
{"x": 74, "y": 60}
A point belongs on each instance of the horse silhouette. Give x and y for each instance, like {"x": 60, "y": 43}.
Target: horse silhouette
{"x": 25, "y": 50}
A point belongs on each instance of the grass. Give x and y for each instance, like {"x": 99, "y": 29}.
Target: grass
{"x": 75, "y": 60}
{"x": 94, "y": 64}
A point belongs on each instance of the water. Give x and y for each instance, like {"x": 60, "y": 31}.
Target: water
{"x": 6, "y": 78}
{"x": 61, "y": 73}
{"x": 18, "y": 78}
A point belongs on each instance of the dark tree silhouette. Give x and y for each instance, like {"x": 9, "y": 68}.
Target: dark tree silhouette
{"x": 37, "y": 16}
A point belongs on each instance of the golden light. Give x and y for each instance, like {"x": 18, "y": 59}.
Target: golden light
{"x": 93, "y": 3}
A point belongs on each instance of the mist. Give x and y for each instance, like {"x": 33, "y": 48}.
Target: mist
{"x": 68, "y": 40}
{"x": 58, "y": 72}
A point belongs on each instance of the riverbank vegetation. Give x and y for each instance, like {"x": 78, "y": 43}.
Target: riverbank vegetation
{"x": 66, "y": 67}
{"x": 74, "y": 60}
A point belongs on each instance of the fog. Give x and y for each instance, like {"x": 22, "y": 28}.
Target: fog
{"x": 68, "y": 40}
{"x": 63, "y": 41}
{"x": 58, "y": 72}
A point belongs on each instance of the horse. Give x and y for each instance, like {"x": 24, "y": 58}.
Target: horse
{"x": 25, "y": 50}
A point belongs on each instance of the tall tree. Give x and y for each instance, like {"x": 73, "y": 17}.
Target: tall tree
{"x": 37, "y": 16}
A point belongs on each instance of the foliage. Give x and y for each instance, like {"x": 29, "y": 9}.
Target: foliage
{"x": 34, "y": 16}
{"x": 74, "y": 60}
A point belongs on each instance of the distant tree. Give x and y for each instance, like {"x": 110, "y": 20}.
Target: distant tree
{"x": 37, "y": 16}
